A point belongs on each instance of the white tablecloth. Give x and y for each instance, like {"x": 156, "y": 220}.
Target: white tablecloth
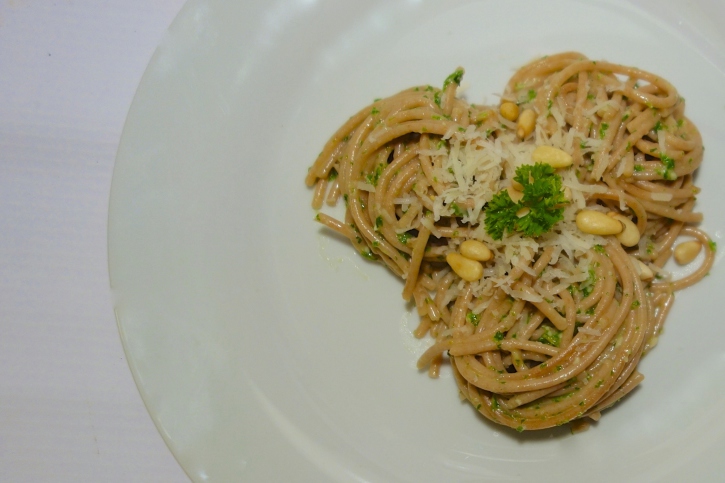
{"x": 69, "y": 409}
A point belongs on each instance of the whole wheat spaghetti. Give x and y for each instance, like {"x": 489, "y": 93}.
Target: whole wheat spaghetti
{"x": 544, "y": 310}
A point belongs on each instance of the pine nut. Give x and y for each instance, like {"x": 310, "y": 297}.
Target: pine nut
{"x": 644, "y": 272}
{"x": 597, "y": 223}
{"x": 509, "y": 111}
{"x": 567, "y": 193}
{"x": 687, "y": 251}
{"x": 515, "y": 194}
{"x": 469, "y": 270}
{"x": 475, "y": 250}
{"x": 523, "y": 212}
{"x": 526, "y": 123}
{"x": 552, "y": 156}
{"x": 630, "y": 234}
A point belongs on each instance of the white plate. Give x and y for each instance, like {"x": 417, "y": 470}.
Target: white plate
{"x": 265, "y": 349}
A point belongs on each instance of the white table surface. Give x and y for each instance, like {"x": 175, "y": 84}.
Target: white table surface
{"x": 69, "y": 409}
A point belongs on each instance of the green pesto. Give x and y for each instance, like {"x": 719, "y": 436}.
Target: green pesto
{"x": 437, "y": 98}
{"x": 669, "y": 167}
{"x": 456, "y": 77}
{"x": 404, "y": 237}
{"x": 474, "y": 319}
{"x": 551, "y": 336}
{"x": 374, "y": 177}
{"x": 457, "y": 210}
{"x": 603, "y": 130}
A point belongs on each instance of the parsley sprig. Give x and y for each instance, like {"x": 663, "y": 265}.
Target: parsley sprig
{"x": 543, "y": 198}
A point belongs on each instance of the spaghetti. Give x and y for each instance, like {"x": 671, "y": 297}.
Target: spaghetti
{"x": 551, "y": 327}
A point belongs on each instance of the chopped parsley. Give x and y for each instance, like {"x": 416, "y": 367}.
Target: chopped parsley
{"x": 712, "y": 245}
{"x": 543, "y": 198}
